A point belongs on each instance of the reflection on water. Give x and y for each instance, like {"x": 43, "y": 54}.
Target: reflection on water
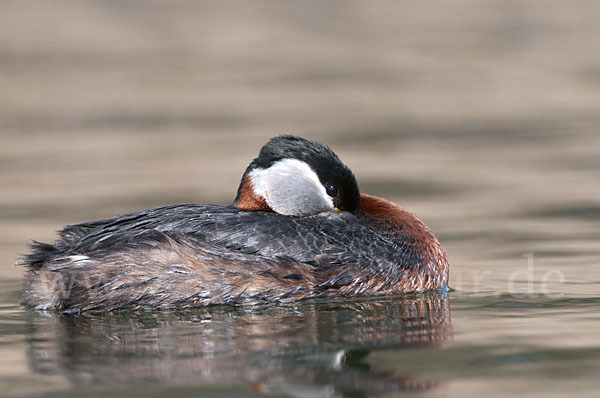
{"x": 481, "y": 117}
{"x": 310, "y": 346}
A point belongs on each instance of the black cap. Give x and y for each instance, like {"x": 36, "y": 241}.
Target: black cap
{"x": 321, "y": 159}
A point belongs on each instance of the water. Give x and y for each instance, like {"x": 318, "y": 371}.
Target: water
{"x": 480, "y": 118}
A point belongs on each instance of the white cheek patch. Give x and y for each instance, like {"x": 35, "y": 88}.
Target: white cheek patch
{"x": 291, "y": 187}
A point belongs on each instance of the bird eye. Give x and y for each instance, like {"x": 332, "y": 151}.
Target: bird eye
{"x": 331, "y": 190}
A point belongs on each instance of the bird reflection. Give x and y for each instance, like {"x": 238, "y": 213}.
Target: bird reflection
{"x": 309, "y": 346}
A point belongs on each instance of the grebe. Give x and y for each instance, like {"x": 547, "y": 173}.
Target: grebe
{"x": 298, "y": 228}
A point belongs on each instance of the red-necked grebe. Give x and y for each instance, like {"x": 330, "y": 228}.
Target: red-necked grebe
{"x": 298, "y": 228}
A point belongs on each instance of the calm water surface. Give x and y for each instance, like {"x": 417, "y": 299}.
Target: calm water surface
{"x": 482, "y": 119}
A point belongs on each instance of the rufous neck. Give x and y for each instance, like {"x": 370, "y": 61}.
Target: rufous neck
{"x": 246, "y": 198}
